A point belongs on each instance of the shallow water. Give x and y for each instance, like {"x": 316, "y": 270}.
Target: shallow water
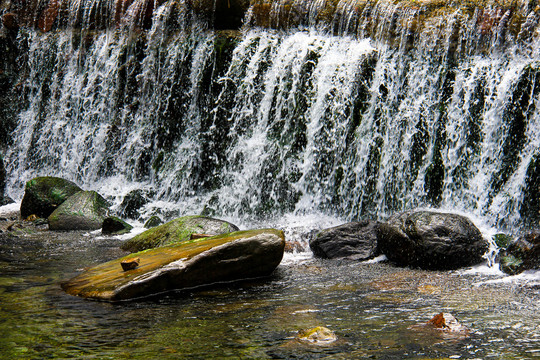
{"x": 370, "y": 307}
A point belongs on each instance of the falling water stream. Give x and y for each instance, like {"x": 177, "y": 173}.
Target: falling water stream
{"x": 299, "y": 127}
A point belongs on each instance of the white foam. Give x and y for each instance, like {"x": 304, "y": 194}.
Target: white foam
{"x": 9, "y": 208}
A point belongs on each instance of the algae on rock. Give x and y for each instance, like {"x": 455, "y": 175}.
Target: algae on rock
{"x": 222, "y": 258}
{"x": 177, "y": 231}
{"x": 86, "y": 210}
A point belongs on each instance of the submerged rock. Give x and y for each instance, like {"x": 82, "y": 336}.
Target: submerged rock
{"x": 445, "y": 325}
{"x": 42, "y": 195}
{"x": 115, "y": 226}
{"x": 521, "y": 255}
{"x": 86, "y": 210}
{"x": 222, "y": 258}
{"x": 177, "y": 231}
{"x": 432, "y": 240}
{"x": 354, "y": 240}
{"x": 317, "y": 336}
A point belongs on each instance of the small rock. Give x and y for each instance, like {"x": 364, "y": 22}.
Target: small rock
{"x": 521, "y": 255}
{"x": 199, "y": 236}
{"x": 317, "y": 336}
{"x": 447, "y": 322}
{"x": 115, "y": 226}
{"x": 443, "y": 325}
{"x": 293, "y": 246}
{"x": 502, "y": 240}
{"x": 153, "y": 222}
{"x": 130, "y": 264}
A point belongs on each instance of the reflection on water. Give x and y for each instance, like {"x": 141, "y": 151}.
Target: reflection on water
{"x": 370, "y": 307}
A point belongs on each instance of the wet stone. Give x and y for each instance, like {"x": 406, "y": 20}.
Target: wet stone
{"x": 130, "y": 264}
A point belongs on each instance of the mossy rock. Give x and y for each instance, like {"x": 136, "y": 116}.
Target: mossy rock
{"x": 42, "y": 195}
{"x": 522, "y": 254}
{"x": 153, "y": 222}
{"x": 115, "y": 226}
{"x": 86, "y": 210}
{"x": 177, "y": 231}
{"x": 221, "y": 258}
{"x": 502, "y": 240}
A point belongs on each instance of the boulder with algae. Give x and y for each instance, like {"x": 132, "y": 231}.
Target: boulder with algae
{"x": 42, "y": 195}
{"x": 222, "y": 258}
{"x": 86, "y": 210}
{"x": 177, "y": 231}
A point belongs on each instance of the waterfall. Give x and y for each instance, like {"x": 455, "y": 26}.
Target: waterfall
{"x": 362, "y": 115}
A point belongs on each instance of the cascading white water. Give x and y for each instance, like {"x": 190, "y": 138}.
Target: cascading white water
{"x": 294, "y": 122}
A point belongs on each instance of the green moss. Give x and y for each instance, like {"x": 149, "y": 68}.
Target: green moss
{"x": 510, "y": 264}
{"x": 502, "y": 240}
{"x": 176, "y": 231}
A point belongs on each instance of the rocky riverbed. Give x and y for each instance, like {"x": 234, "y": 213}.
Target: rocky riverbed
{"x": 371, "y": 307}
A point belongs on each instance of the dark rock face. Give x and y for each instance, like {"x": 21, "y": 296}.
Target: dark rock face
{"x": 355, "y": 240}
{"x": 10, "y": 21}
{"x": 115, "y": 226}
{"x": 521, "y": 255}
{"x": 230, "y": 257}
{"x": 42, "y": 195}
{"x": 131, "y": 204}
{"x": 4, "y": 200}
{"x": 431, "y": 240}
{"x": 2, "y": 182}
{"x": 86, "y": 210}
{"x": 177, "y": 231}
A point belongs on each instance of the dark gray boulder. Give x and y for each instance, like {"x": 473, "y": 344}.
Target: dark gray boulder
{"x": 113, "y": 225}
{"x": 521, "y": 255}
{"x": 354, "y": 240}
{"x": 42, "y": 195}
{"x": 431, "y": 240}
{"x": 86, "y": 210}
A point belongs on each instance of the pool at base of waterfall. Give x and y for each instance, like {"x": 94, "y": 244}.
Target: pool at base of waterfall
{"x": 372, "y": 309}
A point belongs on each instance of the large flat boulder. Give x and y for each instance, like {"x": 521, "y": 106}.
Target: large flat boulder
{"x": 42, "y": 195}
{"x": 431, "y": 240}
{"x": 354, "y": 240}
{"x": 86, "y": 210}
{"x": 222, "y": 258}
{"x": 177, "y": 231}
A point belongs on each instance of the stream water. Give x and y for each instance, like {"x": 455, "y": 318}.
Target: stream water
{"x": 369, "y": 306}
